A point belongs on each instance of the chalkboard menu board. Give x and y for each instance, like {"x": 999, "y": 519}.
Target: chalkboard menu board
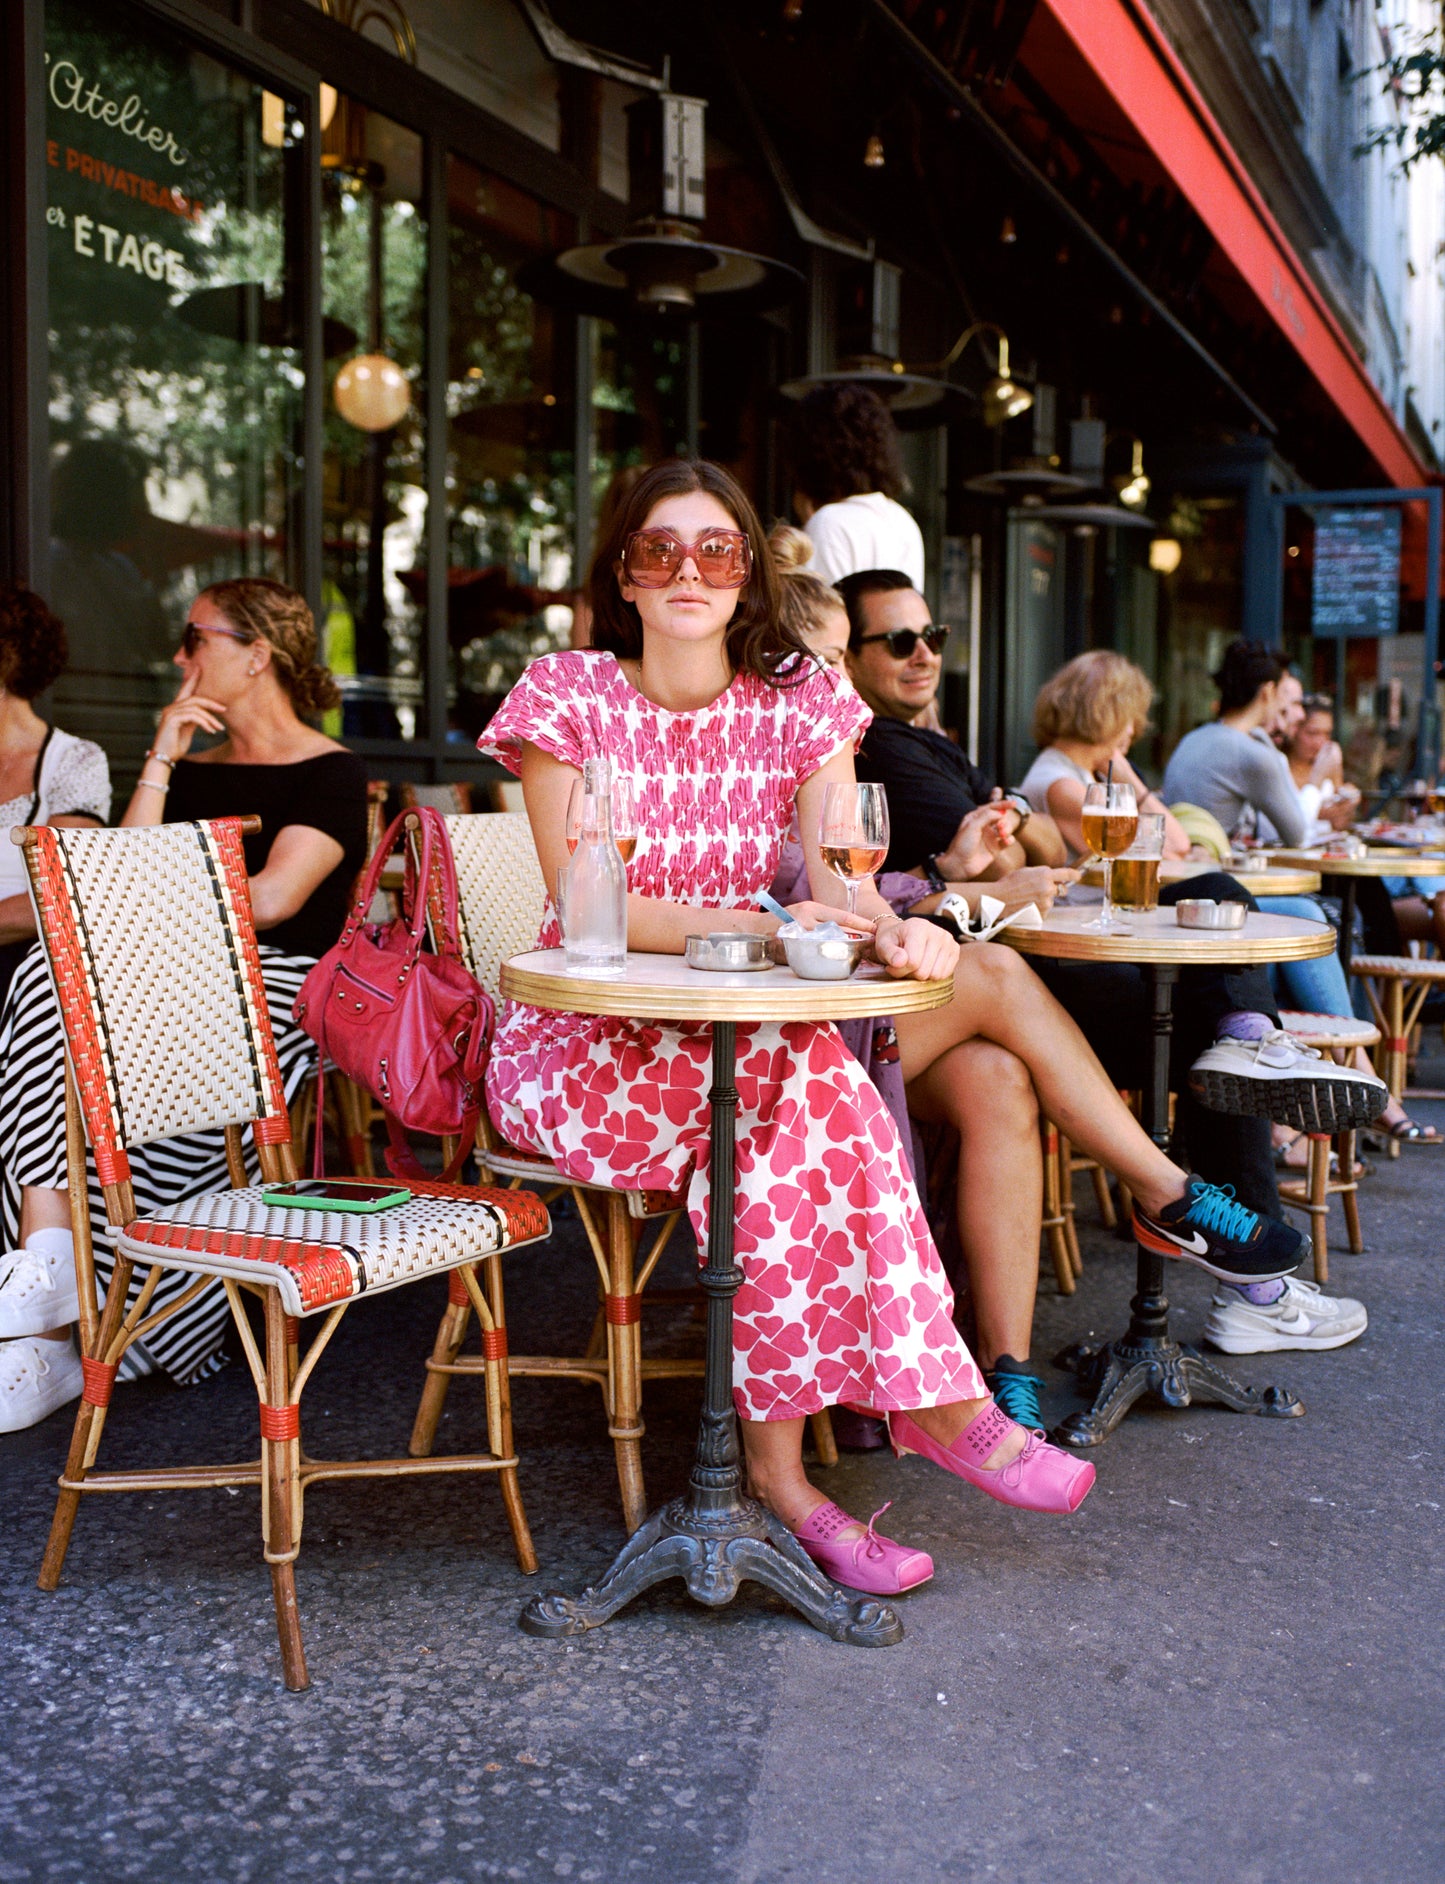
{"x": 1357, "y": 571}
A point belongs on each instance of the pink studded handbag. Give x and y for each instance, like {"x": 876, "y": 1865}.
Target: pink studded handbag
{"x": 410, "y": 1025}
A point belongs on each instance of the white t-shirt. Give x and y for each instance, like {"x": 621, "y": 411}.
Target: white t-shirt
{"x": 867, "y": 532}
{"x": 74, "y": 780}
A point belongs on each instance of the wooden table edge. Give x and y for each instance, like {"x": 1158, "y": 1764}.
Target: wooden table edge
{"x": 762, "y": 1000}
{"x": 1183, "y": 950}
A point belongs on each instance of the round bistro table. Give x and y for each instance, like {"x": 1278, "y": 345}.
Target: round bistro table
{"x": 1281, "y": 881}
{"x": 1146, "y": 1358}
{"x": 714, "y": 1537}
{"x": 1345, "y": 872}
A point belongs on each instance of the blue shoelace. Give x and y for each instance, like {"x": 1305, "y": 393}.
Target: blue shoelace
{"x": 1216, "y": 1208}
{"x": 1018, "y": 1395}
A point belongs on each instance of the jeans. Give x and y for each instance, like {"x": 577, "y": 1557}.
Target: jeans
{"x": 1317, "y": 987}
{"x": 1110, "y": 1002}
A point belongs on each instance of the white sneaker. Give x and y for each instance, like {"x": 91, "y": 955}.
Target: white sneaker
{"x": 36, "y": 1377}
{"x": 1278, "y": 1078}
{"x": 1301, "y": 1318}
{"x": 37, "y": 1290}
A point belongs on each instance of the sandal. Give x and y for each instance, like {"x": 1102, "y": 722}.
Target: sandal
{"x": 1407, "y": 1132}
{"x": 1282, "y": 1159}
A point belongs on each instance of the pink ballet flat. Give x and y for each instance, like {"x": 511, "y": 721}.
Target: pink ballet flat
{"x": 1041, "y": 1478}
{"x": 870, "y": 1562}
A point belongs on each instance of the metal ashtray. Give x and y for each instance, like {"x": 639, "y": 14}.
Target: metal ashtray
{"x": 1201, "y": 912}
{"x": 727, "y": 951}
{"x": 819, "y": 958}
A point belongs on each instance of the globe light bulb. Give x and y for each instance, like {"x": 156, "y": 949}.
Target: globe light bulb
{"x": 372, "y": 393}
{"x": 1165, "y": 555}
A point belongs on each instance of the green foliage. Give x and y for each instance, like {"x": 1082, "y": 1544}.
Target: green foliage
{"x": 1414, "y": 83}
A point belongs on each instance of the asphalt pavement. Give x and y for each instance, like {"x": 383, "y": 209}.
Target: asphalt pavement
{"x": 1227, "y": 1666}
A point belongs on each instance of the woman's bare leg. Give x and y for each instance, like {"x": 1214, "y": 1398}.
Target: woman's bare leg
{"x": 43, "y": 1210}
{"x": 997, "y": 997}
{"x": 987, "y": 1096}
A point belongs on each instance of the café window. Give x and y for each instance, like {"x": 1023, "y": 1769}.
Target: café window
{"x": 511, "y": 488}
{"x": 374, "y": 293}
{"x": 175, "y": 369}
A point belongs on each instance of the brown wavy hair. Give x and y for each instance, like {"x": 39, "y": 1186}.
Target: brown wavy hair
{"x": 268, "y": 611}
{"x": 757, "y": 640}
{"x": 33, "y": 648}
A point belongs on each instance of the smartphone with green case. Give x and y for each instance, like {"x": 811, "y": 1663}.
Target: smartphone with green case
{"x": 358, "y": 1196}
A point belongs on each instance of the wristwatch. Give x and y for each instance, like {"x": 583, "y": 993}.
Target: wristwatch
{"x": 1021, "y": 805}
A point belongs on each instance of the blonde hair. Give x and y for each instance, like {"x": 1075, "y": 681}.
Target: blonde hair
{"x": 807, "y": 601}
{"x": 270, "y": 612}
{"x": 1092, "y": 700}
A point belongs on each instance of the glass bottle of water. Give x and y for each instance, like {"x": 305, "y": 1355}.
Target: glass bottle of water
{"x": 596, "y": 885}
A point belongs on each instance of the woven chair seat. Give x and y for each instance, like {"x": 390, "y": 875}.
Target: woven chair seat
{"x": 512, "y": 1161}
{"x": 1328, "y": 1031}
{"x": 1399, "y": 967}
{"x": 317, "y": 1258}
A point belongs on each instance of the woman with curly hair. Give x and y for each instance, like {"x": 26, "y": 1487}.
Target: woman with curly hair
{"x": 249, "y": 673}
{"x": 848, "y": 474}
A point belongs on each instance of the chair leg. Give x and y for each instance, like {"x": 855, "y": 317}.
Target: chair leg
{"x": 1319, "y": 1203}
{"x": 1394, "y": 1046}
{"x": 624, "y": 1353}
{"x": 445, "y": 1350}
{"x": 281, "y": 1488}
{"x": 494, "y": 1345}
{"x": 1350, "y": 1190}
{"x": 1053, "y": 1224}
{"x": 1107, "y": 1215}
{"x": 89, "y": 1424}
{"x": 824, "y": 1444}
{"x": 1066, "y": 1204}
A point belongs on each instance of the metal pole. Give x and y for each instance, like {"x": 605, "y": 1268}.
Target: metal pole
{"x": 1427, "y": 745}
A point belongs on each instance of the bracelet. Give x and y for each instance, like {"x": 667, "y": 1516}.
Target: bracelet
{"x": 152, "y": 785}
{"x": 936, "y": 880}
{"x": 164, "y": 758}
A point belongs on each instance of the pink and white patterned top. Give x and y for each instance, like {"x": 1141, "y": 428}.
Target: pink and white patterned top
{"x": 715, "y": 788}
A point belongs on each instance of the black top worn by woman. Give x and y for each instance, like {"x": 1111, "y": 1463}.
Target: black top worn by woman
{"x": 327, "y": 793}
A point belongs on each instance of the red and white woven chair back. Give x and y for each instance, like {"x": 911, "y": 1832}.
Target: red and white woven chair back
{"x": 153, "y": 955}
{"x": 500, "y": 890}
{"x": 451, "y": 800}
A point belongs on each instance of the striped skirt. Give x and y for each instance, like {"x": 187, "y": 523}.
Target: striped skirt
{"x": 32, "y": 1150}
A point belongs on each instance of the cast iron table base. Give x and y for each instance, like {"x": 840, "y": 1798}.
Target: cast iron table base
{"x": 713, "y": 1537}
{"x": 1147, "y": 1360}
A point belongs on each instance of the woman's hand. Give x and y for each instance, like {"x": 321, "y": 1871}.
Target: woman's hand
{"x": 186, "y": 715}
{"x": 920, "y": 951}
{"x": 811, "y": 914}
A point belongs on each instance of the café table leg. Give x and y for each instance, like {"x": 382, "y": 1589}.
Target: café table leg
{"x": 1147, "y": 1359}
{"x": 1348, "y": 888}
{"x": 714, "y": 1536}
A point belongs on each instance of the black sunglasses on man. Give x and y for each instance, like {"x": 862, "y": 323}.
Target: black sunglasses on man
{"x": 902, "y": 641}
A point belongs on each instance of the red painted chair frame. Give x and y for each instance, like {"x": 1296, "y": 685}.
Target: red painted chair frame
{"x": 93, "y": 1083}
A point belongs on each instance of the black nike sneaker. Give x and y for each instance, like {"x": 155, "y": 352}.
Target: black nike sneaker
{"x": 1210, "y": 1227}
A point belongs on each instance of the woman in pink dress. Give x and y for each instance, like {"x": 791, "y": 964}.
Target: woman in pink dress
{"x": 725, "y": 726}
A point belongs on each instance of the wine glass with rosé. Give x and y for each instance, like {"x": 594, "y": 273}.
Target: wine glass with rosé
{"x": 853, "y": 834}
{"x": 624, "y": 815}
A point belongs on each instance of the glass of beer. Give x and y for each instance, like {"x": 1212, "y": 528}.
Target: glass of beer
{"x": 1111, "y": 817}
{"x": 1136, "y": 872}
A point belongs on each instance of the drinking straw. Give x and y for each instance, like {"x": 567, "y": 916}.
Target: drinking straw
{"x": 773, "y": 906}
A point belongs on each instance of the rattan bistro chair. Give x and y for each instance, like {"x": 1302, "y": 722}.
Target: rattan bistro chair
{"x": 500, "y": 901}
{"x": 167, "y": 1032}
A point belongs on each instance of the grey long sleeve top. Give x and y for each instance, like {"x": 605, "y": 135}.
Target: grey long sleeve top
{"x": 1226, "y": 771}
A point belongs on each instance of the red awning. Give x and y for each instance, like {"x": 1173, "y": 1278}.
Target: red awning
{"x": 1149, "y": 86}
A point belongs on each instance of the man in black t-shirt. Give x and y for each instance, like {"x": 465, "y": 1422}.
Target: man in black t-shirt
{"x": 939, "y": 798}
